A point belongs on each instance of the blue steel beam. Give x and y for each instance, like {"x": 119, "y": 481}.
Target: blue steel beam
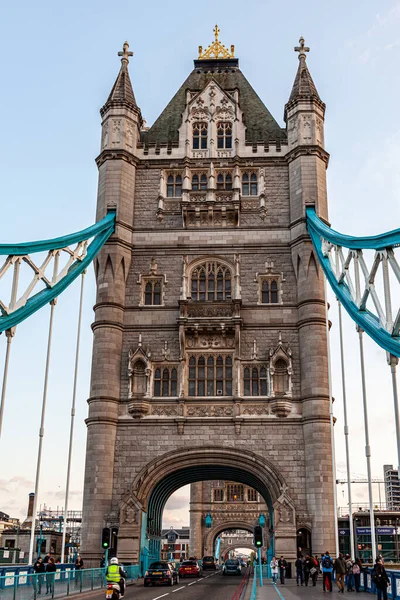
{"x": 363, "y": 317}
{"x": 100, "y": 232}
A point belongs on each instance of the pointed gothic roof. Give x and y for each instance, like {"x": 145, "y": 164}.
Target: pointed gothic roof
{"x": 122, "y": 92}
{"x": 303, "y": 86}
{"x": 260, "y": 124}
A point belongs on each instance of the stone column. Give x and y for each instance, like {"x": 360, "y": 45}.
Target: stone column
{"x": 196, "y": 519}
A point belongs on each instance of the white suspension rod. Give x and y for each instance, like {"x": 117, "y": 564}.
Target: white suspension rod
{"x": 393, "y": 367}
{"x": 335, "y": 525}
{"x": 9, "y": 335}
{"x": 71, "y": 432}
{"x": 346, "y": 433}
{"x": 41, "y": 432}
{"x": 367, "y": 446}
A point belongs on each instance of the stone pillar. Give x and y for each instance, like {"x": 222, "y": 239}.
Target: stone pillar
{"x": 196, "y": 519}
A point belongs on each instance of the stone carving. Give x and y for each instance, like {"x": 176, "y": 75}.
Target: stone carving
{"x": 250, "y": 205}
{"x": 129, "y": 515}
{"x": 164, "y": 411}
{"x": 255, "y": 410}
{"x": 284, "y": 510}
{"x": 105, "y": 136}
{"x": 210, "y": 311}
{"x": 210, "y": 341}
{"x": 129, "y": 136}
{"x": 307, "y": 128}
{"x": 116, "y": 130}
{"x": 210, "y": 411}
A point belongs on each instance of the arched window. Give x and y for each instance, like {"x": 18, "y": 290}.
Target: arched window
{"x": 152, "y": 293}
{"x": 139, "y": 378}
{"x": 200, "y": 136}
{"x": 281, "y": 377}
{"x": 224, "y": 181}
{"x": 211, "y": 281}
{"x": 199, "y": 183}
{"x": 174, "y": 186}
{"x": 235, "y": 492}
{"x": 255, "y": 381}
{"x": 210, "y": 376}
{"x": 218, "y": 495}
{"x": 251, "y": 495}
{"x": 249, "y": 184}
{"x": 165, "y": 382}
{"x": 224, "y": 135}
{"x": 269, "y": 291}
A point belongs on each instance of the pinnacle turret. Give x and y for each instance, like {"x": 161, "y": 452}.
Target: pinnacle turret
{"x": 122, "y": 92}
{"x": 303, "y": 86}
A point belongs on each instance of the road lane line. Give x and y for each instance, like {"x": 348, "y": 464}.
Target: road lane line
{"x": 193, "y": 582}
{"x": 201, "y": 579}
{"x": 278, "y": 592}
{"x": 158, "y": 597}
{"x": 179, "y": 589}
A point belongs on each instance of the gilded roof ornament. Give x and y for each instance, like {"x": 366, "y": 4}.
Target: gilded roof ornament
{"x": 216, "y": 49}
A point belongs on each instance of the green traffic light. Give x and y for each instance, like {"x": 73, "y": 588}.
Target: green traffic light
{"x": 105, "y": 545}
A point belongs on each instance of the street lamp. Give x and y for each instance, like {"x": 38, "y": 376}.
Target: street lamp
{"x": 397, "y": 539}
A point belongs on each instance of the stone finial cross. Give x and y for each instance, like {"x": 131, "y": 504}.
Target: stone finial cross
{"x": 302, "y": 49}
{"x": 125, "y": 53}
{"x": 216, "y": 32}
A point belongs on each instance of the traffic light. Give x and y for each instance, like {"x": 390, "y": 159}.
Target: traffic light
{"x": 258, "y": 536}
{"x": 105, "y": 538}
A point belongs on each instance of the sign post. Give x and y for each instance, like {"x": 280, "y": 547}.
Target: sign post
{"x": 260, "y": 565}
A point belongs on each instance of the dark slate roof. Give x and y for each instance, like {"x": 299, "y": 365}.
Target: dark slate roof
{"x": 122, "y": 92}
{"x": 303, "y": 86}
{"x": 260, "y": 124}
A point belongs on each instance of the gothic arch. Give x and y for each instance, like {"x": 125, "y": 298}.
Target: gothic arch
{"x": 221, "y": 266}
{"x": 213, "y": 533}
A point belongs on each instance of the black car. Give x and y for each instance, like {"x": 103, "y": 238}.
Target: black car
{"x": 209, "y": 563}
{"x": 161, "y": 572}
{"x": 232, "y": 567}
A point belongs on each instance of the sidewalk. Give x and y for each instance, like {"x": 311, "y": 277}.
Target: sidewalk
{"x": 290, "y": 591}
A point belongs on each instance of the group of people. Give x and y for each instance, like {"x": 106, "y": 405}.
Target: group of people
{"x": 346, "y": 571}
{"x": 45, "y": 569}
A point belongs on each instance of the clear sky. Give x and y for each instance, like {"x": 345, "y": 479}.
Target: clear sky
{"x": 58, "y": 63}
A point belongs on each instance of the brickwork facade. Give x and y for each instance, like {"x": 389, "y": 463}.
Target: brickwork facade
{"x": 209, "y": 346}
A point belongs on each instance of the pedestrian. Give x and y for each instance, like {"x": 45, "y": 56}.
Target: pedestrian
{"x": 299, "y": 564}
{"x": 340, "y": 570}
{"x": 50, "y": 575}
{"x": 349, "y": 573}
{"x": 102, "y": 562}
{"x": 380, "y": 579}
{"x": 357, "y": 568}
{"x": 314, "y": 570}
{"x": 78, "y": 569}
{"x": 39, "y": 569}
{"x": 47, "y": 558}
{"x": 308, "y": 564}
{"x": 274, "y": 569}
{"x": 327, "y": 568}
{"x": 282, "y": 569}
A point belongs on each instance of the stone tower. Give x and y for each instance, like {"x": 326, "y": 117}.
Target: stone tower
{"x": 210, "y": 355}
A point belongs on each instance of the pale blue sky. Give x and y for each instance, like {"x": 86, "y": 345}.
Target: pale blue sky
{"x": 58, "y": 63}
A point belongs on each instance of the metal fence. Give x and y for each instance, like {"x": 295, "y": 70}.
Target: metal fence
{"x": 68, "y": 582}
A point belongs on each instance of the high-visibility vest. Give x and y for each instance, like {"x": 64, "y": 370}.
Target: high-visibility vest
{"x": 113, "y": 573}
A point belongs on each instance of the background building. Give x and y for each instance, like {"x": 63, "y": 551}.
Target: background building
{"x": 392, "y": 487}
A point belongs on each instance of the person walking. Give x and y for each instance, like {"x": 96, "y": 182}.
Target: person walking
{"x": 78, "y": 568}
{"x": 308, "y": 564}
{"x": 299, "y": 564}
{"x": 349, "y": 573}
{"x": 39, "y": 570}
{"x": 340, "y": 570}
{"x": 380, "y": 579}
{"x": 50, "y": 575}
{"x": 47, "y": 558}
{"x": 274, "y": 569}
{"x": 357, "y": 568}
{"x": 282, "y": 569}
{"x": 327, "y": 568}
{"x": 314, "y": 570}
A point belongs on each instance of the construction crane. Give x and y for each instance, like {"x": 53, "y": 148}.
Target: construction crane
{"x": 374, "y": 480}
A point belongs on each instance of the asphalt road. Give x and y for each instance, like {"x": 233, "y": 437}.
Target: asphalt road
{"x": 211, "y": 586}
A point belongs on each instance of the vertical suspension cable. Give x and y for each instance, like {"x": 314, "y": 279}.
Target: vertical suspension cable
{"x": 9, "y": 334}
{"x": 393, "y": 361}
{"x": 331, "y": 424}
{"x": 367, "y": 445}
{"x": 41, "y": 432}
{"x": 71, "y": 432}
{"x": 346, "y": 434}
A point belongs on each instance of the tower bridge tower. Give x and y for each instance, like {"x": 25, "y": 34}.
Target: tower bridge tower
{"x": 209, "y": 351}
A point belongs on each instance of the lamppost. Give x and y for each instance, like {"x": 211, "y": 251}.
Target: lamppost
{"x": 41, "y": 536}
{"x": 378, "y": 522}
{"x": 397, "y": 539}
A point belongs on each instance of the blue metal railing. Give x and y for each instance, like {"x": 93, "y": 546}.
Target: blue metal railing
{"x": 67, "y": 581}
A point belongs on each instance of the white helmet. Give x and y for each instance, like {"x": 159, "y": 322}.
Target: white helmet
{"x": 114, "y": 561}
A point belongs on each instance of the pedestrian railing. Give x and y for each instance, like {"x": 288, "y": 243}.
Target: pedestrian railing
{"x": 61, "y": 583}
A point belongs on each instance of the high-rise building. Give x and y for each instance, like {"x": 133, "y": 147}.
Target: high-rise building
{"x": 392, "y": 487}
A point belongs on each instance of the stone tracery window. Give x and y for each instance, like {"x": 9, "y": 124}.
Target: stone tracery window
{"x": 199, "y": 183}
{"x": 235, "y": 492}
{"x": 218, "y": 495}
{"x": 224, "y": 135}
{"x": 224, "y": 181}
{"x": 174, "y": 186}
{"x": 249, "y": 184}
{"x": 211, "y": 281}
{"x": 255, "y": 381}
{"x": 152, "y": 292}
{"x": 251, "y": 495}
{"x": 200, "y": 131}
{"x": 210, "y": 375}
{"x": 281, "y": 376}
{"x": 165, "y": 382}
{"x": 270, "y": 287}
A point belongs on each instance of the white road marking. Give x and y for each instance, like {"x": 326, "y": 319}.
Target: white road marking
{"x": 179, "y": 589}
{"x": 167, "y": 594}
{"x": 201, "y": 579}
{"x": 193, "y": 582}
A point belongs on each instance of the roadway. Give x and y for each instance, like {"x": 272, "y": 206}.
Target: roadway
{"x": 211, "y": 586}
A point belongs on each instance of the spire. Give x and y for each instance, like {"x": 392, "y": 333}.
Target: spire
{"x": 303, "y": 87}
{"x": 216, "y": 50}
{"x": 122, "y": 92}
